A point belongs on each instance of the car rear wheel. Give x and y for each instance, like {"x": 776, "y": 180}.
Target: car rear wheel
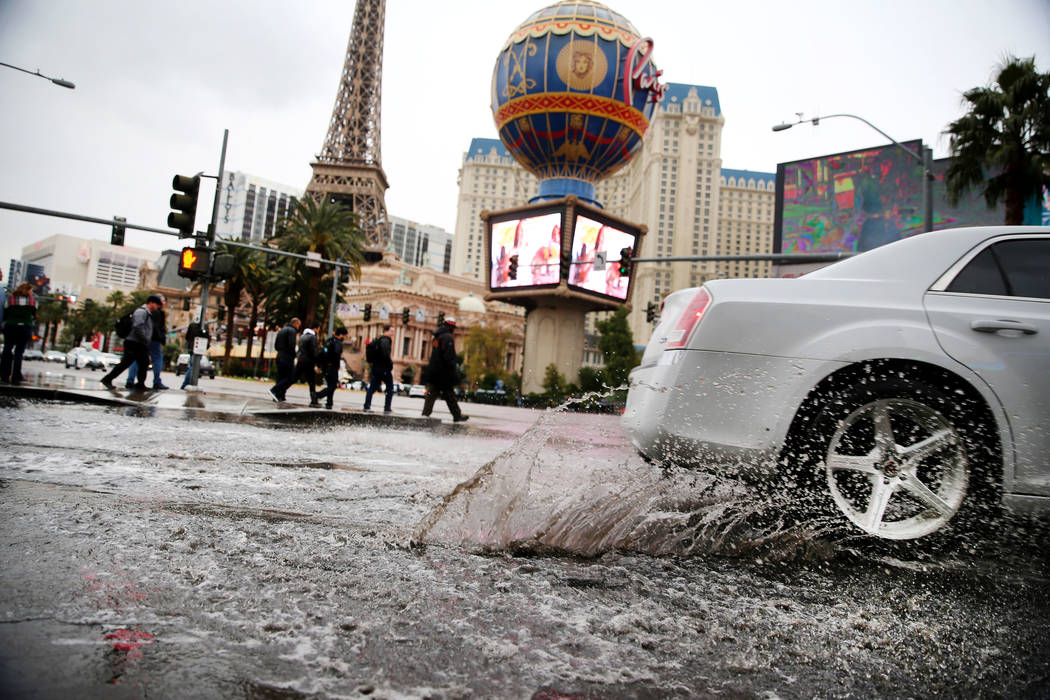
{"x": 895, "y": 456}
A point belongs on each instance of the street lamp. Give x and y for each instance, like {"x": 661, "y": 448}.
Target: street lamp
{"x": 923, "y": 160}
{"x": 56, "y": 81}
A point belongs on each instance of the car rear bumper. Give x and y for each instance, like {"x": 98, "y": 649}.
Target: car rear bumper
{"x": 716, "y": 410}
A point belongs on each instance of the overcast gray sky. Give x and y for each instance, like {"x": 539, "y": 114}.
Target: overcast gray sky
{"x": 157, "y": 82}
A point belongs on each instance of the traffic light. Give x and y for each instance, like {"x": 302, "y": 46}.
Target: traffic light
{"x": 193, "y": 262}
{"x": 625, "y": 262}
{"x": 344, "y": 275}
{"x": 271, "y": 261}
{"x": 441, "y": 317}
{"x": 404, "y": 316}
{"x": 116, "y": 237}
{"x": 368, "y": 313}
{"x": 512, "y": 271}
{"x": 184, "y": 202}
{"x": 650, "y": 312}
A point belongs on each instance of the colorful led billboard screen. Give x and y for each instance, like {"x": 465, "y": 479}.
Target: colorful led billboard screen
{"x": 848, "y": 202}
{"x": 590, "y": 238}
{"x": 526, "y": 250}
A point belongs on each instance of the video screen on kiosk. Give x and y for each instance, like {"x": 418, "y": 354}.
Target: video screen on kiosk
{"x": 536, "y": 241}
{"x": 590, "y": 237}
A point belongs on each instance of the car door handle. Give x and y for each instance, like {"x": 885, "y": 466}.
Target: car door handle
{"x": 988, "y": 326}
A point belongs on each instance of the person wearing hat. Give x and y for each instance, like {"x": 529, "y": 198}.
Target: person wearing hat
{"x": 136, "y": 345}
{"x": 441, "y": 374}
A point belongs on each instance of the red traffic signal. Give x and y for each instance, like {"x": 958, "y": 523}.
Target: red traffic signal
{"x": 193, "y": 262}
{"x": 624, "y": 267}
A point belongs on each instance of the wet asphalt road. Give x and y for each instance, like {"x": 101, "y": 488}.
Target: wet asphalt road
{"x": 166, "y": 554}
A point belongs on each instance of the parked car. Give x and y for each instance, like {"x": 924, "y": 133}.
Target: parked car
{"x": 32, "y": 355}
{"x": 902, "y": 384}
{"x": 73, "y": 354}
{"x": 96, "y": 359}
{"x": 417, "y": 390}
{"x": 55, "y": 356}
{"x": 182, "y": 363}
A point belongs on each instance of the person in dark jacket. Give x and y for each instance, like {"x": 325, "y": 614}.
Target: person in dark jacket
{"x": 333, "y": 355}
{"x": 306, "y": 364}
{"x": 136, "y": 345}
{"x": 441, "y": 374}
{"x": 383, "y": 371}
{"x": 156, "y": 349}
{"x": 285, "y": 346}
{"x": 19, "y": 321}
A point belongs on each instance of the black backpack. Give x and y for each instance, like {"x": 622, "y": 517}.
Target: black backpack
{"x": 372, "y": 352}
{"x": 123, "y": 325}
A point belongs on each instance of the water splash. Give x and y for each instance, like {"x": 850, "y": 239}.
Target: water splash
{"x": 573, "y": 484}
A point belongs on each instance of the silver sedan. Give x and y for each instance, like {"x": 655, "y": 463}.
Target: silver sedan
{"x": 904, "y": 383}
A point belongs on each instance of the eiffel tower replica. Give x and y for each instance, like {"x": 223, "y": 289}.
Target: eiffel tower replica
{"x": 348, "y": 170}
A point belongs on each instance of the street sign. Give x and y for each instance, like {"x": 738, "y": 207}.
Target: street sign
{"x": 315, "y": 259}
{"x": 421, "y": 316}
{"x": 599, "y": 261}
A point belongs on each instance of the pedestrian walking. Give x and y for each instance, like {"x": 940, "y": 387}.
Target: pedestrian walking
{"x": 285, "y": 346}
{"x": 441, "y": 375}
{"x": 381, "y": 359}
{"x": 193, "y": 331}
{"x": 19, "y": 321}
{"x": 332, "y": 359}
{"x": 155, "y": 348}
{"x": 306, "y": 364}
{"x": 136, "y": 345}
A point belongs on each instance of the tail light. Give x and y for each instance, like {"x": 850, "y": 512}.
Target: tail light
{"x": 679, "y": 334}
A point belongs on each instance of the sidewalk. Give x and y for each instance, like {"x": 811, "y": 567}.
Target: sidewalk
{"x": 240, "y": 398}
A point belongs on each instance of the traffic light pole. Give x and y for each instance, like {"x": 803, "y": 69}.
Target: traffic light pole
{"x": 195, "y": 363}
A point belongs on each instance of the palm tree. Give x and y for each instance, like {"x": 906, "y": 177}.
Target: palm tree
{"x": 50, "y": 312}
{"x": 323, "y": 227}
{"x": 244, "y": 260}
{"x": 1002, "y": 144}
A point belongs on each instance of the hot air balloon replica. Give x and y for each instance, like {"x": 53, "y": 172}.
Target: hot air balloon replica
{"x": 573, "y": 92}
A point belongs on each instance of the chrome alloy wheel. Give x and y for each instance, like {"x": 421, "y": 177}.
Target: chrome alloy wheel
{"x": 897, "y": 469}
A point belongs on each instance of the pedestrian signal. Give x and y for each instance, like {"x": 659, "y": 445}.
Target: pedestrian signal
{"x": 193, "y": 262}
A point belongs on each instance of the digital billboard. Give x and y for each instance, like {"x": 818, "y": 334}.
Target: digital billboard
{"x": 526, "y": 249}
{"x": 562, "y": 249}
{"x": 848, "y": 202}
{"x": 593, "y": 239}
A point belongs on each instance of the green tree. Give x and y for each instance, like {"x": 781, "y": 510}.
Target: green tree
{"x": 591, "y": 379}
{"x": 486, "y": 351}
{"x": 245, "y": 264}
{"x": 50, "y": 312}
{"x": 554, "y": 383}
{"x": 323, "y": 227}
{"x": 617, "y": 346}
{"x": 1002, "y": 145}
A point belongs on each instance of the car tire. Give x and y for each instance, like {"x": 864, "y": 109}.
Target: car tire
{"x": 898, "y": 457}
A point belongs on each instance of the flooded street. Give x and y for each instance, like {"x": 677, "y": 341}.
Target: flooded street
{"x": 166, "y": 554}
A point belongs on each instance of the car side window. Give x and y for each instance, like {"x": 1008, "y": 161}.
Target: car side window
{"x": 1019, "y": 268}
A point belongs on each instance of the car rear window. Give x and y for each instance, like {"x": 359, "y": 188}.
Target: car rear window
{"x": 1018, "y": 268}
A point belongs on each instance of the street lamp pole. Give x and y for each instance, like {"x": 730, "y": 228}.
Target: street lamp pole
{"x": 56, "y": 81}
{"x": 924, "y": 159}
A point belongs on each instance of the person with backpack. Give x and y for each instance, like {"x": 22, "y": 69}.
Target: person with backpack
{"x": 156, "y": 350}
{"x": 284, "y": 344}
{"x": 378, "y": 353}
{"x": 441, "y": 375}
{"x": 306, "y": 364}
{"x": 332, "y": 356}
{"x": 136, "y": 344}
